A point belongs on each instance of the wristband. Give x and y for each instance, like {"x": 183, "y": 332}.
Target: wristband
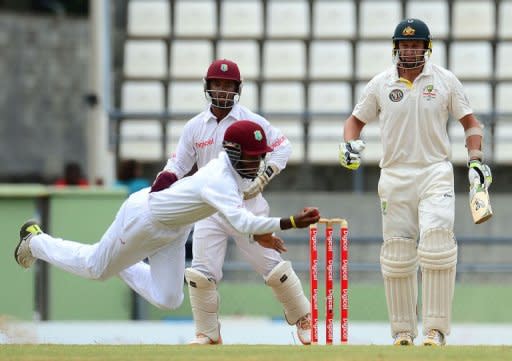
{"x": 292, "y": 220}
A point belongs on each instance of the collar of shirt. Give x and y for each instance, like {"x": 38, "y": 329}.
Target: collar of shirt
{"x": 234, "y": 113}
{"x": 427, "y": 71}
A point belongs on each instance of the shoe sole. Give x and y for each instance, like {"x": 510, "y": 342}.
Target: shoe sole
{"x": 24, "y": 226}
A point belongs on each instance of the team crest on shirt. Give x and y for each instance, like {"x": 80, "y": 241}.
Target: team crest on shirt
{"x": 396, "y": 95}
{"x": 429, "y": 92}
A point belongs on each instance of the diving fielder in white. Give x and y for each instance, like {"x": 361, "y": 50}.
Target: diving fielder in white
{"x": 412, "y": 101}
{"x": 199, "y": 142}
{"x": 156, "y": 225}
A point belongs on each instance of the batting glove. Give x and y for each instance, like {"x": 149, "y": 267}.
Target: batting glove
{"x": 479, "y": 173}
{"x": 350, "y": 153}
{"x": 261, "y": 181}
{"x": 163, "y": 180}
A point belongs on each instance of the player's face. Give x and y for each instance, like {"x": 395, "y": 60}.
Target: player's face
{"x": 250, "y": 165}
{"x": 222, "y": 92}
{"x": 411, "y": 53}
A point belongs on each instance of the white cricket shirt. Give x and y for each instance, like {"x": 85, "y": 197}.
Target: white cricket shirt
{"x": 202, "y": 138}
{"x": 214, "y": 187}
{"x": 413, "y": 116}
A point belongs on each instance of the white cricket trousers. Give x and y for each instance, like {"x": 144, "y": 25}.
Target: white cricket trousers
{"x": 133, "y": 236}
{"x": 210, "y": 241}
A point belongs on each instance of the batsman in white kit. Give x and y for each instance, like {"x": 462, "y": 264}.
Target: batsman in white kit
{"x": 412, "y": 101}
{"x": 200, "y": 140}
{"x": 156, "y": 225}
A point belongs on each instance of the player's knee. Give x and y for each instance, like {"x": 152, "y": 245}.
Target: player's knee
{"x": 170, "y": 300}
{"x": 437, "y": 249}
{"x": 398, "y": 257}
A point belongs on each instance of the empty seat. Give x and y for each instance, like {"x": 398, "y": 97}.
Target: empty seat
{"x": 334, "y": 19}
{"x": 174, "y": 131}
{"x": 145, "y": 59}
{"x": 503, "y": 58}
{"x": 186, "y": 97}
{"x": 434, "y": 13}
{"x": 330, "y": 59}
{"x": 479, "y": 95}
{"x": 472, "y": 60}
{"x": 241, "y": 18}
{"x": 282, "y": 97}
{"x": 284, "y": 59}
{"x": 288, "y": 18}
{"x": 372, "y": 57}
{"x": 329, "y": 97}
{"x": 142, "y": 97}
{"x": 473, "y": 19}
{"x": 505, "y": 25}
{"x": 503, "y": 97}
{"x": 324, "y": 138}
{"x": 293, "y": 129}
{"x": 245, "y": 53}
{"x": 149, "y": 18}
{"x": 503, "y": 141}
{"x": 378, "y": 19}
{"x": 438, "y": 55}
{"x": 458, "y": 142}
{"x": 141, "y": 140}
{"x": 249, "y": 97}
{"x": 195, "y": 18}
{"x": 190, "y": 58}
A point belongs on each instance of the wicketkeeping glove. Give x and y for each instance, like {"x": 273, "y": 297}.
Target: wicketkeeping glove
{"x": 479, "y": 173}
{"x": 261, "y": 181}
{"x": 350, "y": 153}
{"x": 163, "y": 180}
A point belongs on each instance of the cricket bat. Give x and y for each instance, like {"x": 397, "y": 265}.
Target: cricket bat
{"x": 479, "y": 203}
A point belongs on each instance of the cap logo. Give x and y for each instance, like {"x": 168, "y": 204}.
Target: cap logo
{"x": 257, "y": 135}
{"x": 408, "y": 31}
{"x": 224, "y": 67}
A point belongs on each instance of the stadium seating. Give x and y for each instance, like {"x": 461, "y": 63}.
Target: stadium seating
{"x": 149, "y": 18}
{"x": 378, "y": 19}
{"x": 145, "y": 59}
{"x": 433, "y": 13}
{"x": 334, "y": 19}
{"x": 241, "y": 19}
{"x": 330, "y": 59}
{"x": 473, "y": 19}
{"x": 288, "y": 19}
{"x": 284, "y": 59}
{"x": 245, "y": 53}
{"x": 195, "y": 18}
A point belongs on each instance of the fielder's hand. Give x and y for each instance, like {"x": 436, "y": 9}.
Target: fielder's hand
{"x": 163, "y": 180}
{"x": 303, "y": 219}
{"x": 268, "y": 240}
{"x": 479, "y": 173}
{"x": 350, "y": 153}
{"x": 260, "y": 182}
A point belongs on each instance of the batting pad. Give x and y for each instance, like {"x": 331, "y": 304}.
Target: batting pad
{"x": 288, "y": 290}
{"x": 399, "y": 265}
{"x": 204, "y": 300}
{"x": 437, "y": 252}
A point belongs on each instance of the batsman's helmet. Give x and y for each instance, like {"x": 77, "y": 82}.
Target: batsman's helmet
{"x": 227, "y": 70}
{"x": 245, "y": 137}
{"x": 412, "y": 29}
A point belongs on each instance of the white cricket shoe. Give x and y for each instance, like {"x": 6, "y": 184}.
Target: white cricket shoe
{"x": 403, "y": 338}
{"x": 22, "y": 253}
{"x": 201, "y": 339}
{"x": 304, "y": 329}
{"x": 434, "y": 338}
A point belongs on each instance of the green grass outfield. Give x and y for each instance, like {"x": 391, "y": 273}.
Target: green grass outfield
{"x": 367, "y": 303}
{"x": 249, "y": 353}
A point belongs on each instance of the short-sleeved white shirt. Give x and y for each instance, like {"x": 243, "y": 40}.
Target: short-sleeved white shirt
{"x": 413, "y": 117}
{"x": 202, "y": 138}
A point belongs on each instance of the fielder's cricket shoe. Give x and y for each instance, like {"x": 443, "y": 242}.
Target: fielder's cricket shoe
{"x": 434, "y": 338}
{"x": 304, "y": 329}
{"x": 403, "y": 338}
{"x": 205, "y": 340}
{"x": 22, "y": 253}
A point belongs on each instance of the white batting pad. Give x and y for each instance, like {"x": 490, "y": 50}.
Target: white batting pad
{"x": 399, "y": 265}
{"x": 437, "y": 252}
{"x": 288, "y": 290}
{"x": 204, "y": 300}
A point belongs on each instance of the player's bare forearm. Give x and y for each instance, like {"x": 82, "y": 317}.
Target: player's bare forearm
{"x": 352, "y": 129}
{"x": 268, "y": 240}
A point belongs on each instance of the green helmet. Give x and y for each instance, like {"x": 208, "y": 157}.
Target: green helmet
{"x": 412, "y": 29}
